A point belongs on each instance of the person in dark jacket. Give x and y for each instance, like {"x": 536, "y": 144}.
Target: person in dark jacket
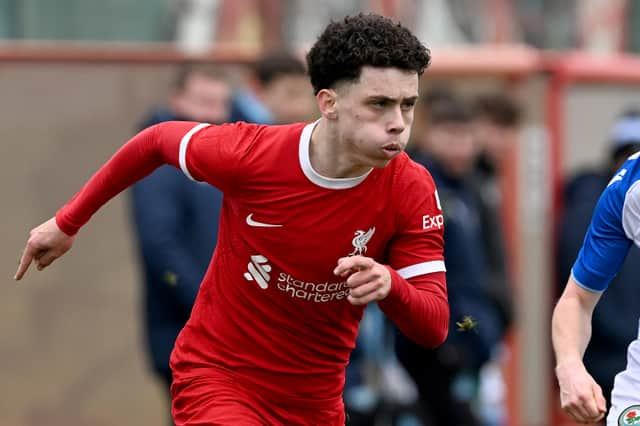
{"x": 496, "y": 125}
{"x": 613, "y": 326}
{"x": 176, "y": 220}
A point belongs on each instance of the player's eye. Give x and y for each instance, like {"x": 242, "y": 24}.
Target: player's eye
{"x": 408, "y": 105}
{"x": 379, "y": 103}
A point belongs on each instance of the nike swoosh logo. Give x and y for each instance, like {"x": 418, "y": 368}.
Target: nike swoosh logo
{"x": 252, "y": 222}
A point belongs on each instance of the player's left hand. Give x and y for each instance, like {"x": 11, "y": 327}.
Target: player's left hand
{"x": 46, "y": 243}
{"x": 368, "y": 281}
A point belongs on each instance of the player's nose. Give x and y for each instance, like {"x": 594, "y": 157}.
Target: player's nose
{"x": 396, "y": 123}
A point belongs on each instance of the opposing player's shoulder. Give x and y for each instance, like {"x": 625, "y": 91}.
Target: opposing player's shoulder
{"x": 626, "y": 175}
{"x": 623, "y": 193}
{"x": 623, "y": 189}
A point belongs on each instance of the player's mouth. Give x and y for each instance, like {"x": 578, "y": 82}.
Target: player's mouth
{"x": 392, "y": 149}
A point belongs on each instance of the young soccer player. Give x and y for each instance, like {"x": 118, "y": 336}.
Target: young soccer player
{"x": 318, "y": 220}
{"x": 615, "y": 226}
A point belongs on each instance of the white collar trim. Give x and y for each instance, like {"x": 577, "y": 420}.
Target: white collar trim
{"x": 315, "y": 177}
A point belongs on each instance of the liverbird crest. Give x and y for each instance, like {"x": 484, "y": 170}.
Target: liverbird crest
{"x": 360, "y": 241}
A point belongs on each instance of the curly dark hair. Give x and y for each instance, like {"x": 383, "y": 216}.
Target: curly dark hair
{"x": 360, "y": 40}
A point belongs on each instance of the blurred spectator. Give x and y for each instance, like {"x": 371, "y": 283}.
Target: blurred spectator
{"x": 497, "y": 119}
{"x": 176, "y": 220}
{"x": 277, "y": 92}
{"x": 446, "y": 377}
{"x": 613, "y": 327}
{"x": 496, "y": 124}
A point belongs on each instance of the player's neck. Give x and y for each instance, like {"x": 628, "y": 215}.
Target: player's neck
{"x": 330, "y": 155}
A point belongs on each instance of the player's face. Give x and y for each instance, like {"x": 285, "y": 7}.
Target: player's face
{"x": 375, "y": 114}
{"x": 290, "y": 98}
{"x": 204, "y": 99}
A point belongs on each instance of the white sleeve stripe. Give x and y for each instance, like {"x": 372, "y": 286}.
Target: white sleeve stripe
{"x": 184, "y": 143}
{"x": 582, "y": 286}
{"x": 422, "y": 268}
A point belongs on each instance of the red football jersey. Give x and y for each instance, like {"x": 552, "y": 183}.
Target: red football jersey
{"x": 270, "y": 309}
{"x": 271, "y": 319}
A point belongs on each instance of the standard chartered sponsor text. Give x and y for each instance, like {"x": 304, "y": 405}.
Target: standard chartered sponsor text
{"x": 314, "y": 292}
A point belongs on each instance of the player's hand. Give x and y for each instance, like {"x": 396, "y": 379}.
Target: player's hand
{"x": 46, "y": 243}
{"x": 367, "y": 280}
{"x": 580, "y": 396}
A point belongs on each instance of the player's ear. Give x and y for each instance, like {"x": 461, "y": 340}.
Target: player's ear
{"x": 327, "y": 99}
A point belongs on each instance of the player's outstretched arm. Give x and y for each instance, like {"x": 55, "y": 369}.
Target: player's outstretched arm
{"x": 140, "y": 156}
{"x": 580, "y": 396}
{"x": 46, "y": 243}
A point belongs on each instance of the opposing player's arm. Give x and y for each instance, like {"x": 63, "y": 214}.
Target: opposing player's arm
{"x": 580, "y": 395}
{"x": 571, "y": 322}
{"x": 604, "y": 249}
{"x": 154, "y": 146}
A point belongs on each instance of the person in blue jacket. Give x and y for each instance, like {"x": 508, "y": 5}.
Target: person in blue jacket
{"x": 176, "y": 220}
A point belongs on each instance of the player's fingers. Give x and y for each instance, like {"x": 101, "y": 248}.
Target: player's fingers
{"x": 601, "y": 403}
{"x": 571, "y": 413}
{"x": 369, "y": 295}
{"x": 46, "y": 259}
{"x": 352, "y": 263}
{"x": 359, "y": 278}
{"x": 587, "y": 409}
{"x": 573, "y": 404}
{"x": 363, "y": 290}
{"x": 594, "y": 411}
{"x": 25, "y": 261}
{"x": 576, "y": 414}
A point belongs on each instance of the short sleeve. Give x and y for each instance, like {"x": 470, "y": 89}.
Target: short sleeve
{"x": 418, "y": 245}
{"x": 215, "y": 153}
{"x": 606, "y": 243}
